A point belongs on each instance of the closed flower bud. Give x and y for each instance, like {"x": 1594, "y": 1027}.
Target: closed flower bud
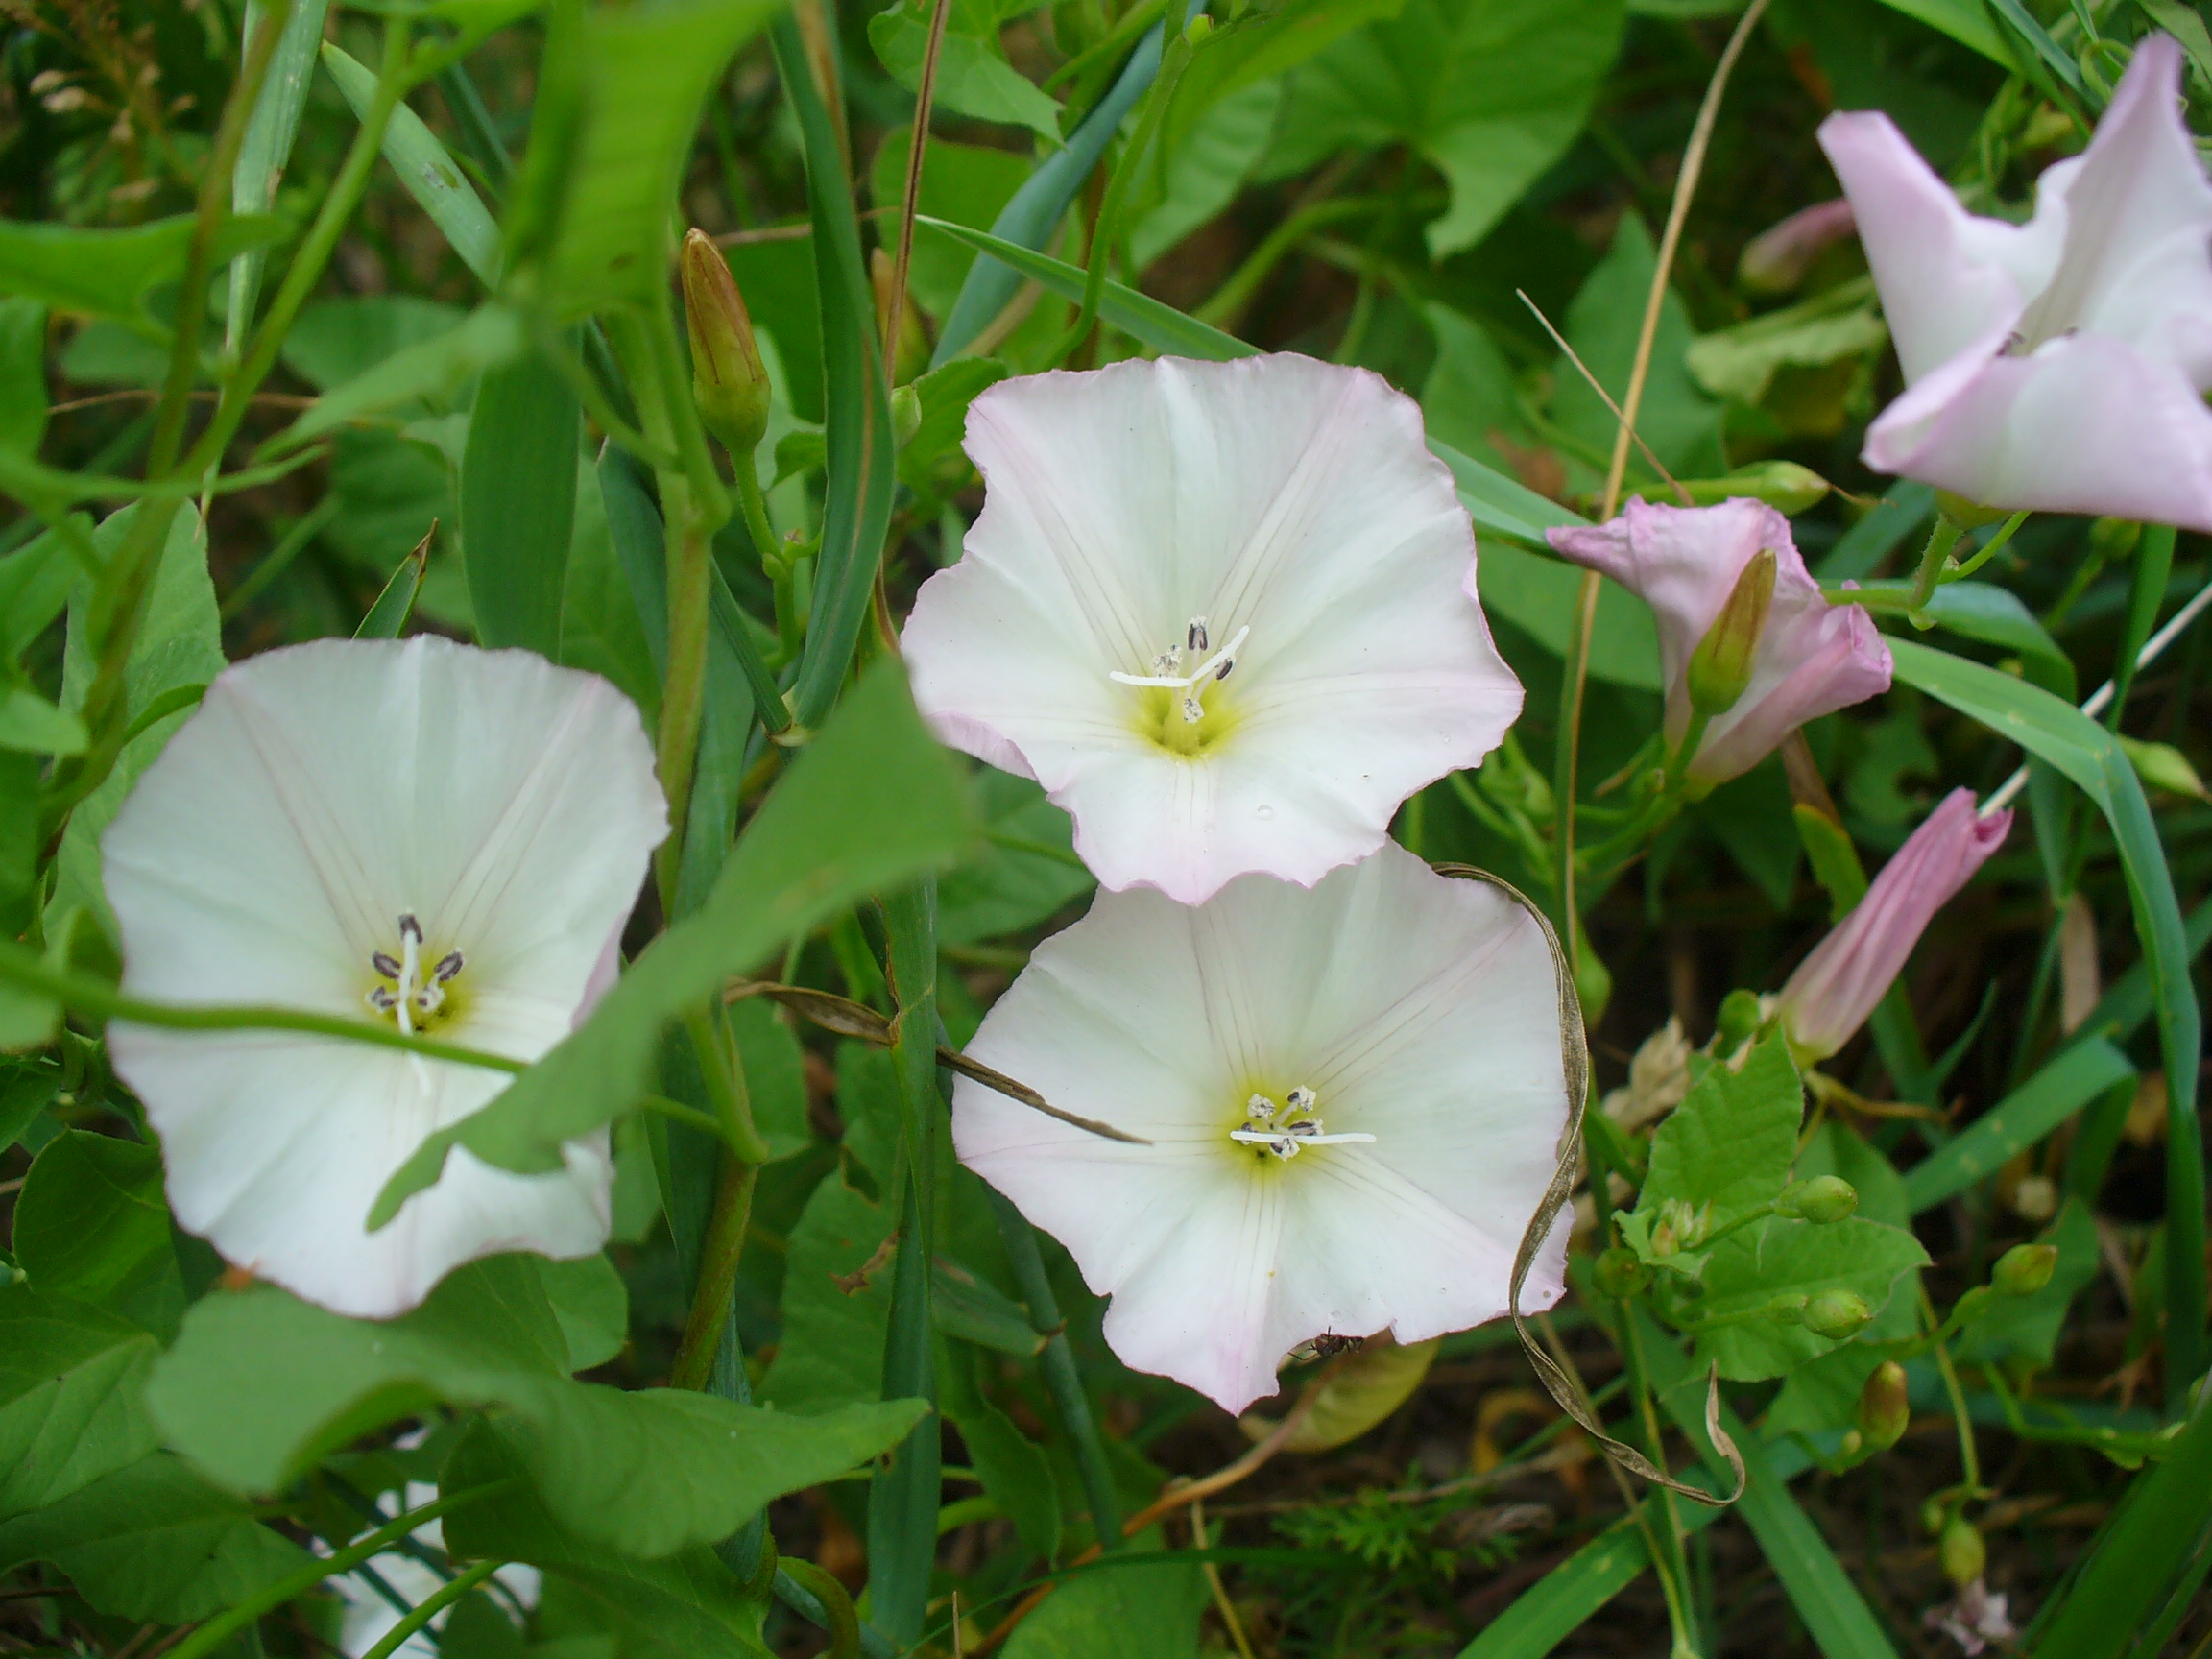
{"x": 905, "y": 415}
{"x": 1783, "y": 485}
{"x": 1619, "y": 1273}
{"x": 1720, "y": 667}
{"x": 1962, "y": 1551}
{"x": 2024, "y": 1269}
{"x": 1822, "y": 1199}
{"x": 1837, "y": 1314}
{"x": 728, "y": 380}
{"x": 1739, "y": 1019}
{"x": 1884, "y": 1407}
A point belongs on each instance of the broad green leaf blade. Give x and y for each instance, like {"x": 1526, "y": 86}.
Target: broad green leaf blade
{"x": 1029, "y": 219}
{"x": 71, "y": 1379}
{"x": 1494, "y": 501}
{"x": 109, "y": 273}
{"x": 1726, "y": 1150}
{"x": 30, "y": 725}
{"x": 863, "y": 450}
{"x": 2016, "y": 1122}
{"x": 438, "y": 187}
{"x": 1963, "y": 20}
{"x": 599, "y": 182}
{"x": 592, "y": 1306}
{"x": 153, "y": 1541}
{"x": 518, "y": 504}
{"x": 686, "y": 1606}
{"x": 972, "y": 78}
{"x": 2092, "y": 758}
{"x": 436, "y": 371}
{"x": 91, "y": 1226}
{"x": 22, "y": 376}
{"x": 870, "y": 803}
{"x": 1996, "y": 616}
{"x": 1749, "y": 1269}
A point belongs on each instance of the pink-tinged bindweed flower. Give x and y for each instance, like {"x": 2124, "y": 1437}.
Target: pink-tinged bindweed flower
{"x": 1354, "y": 1096}
{"x": 1224, "y": 613}
{"x": 443, "y": 839}
{"x": 1812, "y": 657}
{"x": 1776, "y": 259}
{"x": 1835, "y": 988}
{"x": 2059, "y": 364}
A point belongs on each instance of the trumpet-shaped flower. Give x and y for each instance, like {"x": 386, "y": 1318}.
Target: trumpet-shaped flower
{"x": 1835, "y": 988}
{"x": 1354, "y": 1096}
{"x": 440, "y": 839}
{"x": 2059, "y": 364}
{"x": 1224, "y": 613}
{"x": 1812, "y": 657}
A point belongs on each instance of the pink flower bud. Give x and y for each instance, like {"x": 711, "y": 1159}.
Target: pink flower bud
{"x": 1775, "y": 260}
{"x": 1835, "y": 988}
{"x": 1813, "y": 658}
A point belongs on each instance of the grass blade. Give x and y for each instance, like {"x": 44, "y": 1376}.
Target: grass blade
{"x": 267, "y": 146}
{"x": 519, "y": 503}
{"x": 2016, "y": 1122}
{"x": 429, "y": 174}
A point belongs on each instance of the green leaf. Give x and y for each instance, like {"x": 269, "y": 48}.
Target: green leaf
{"x": 33, "y": 726}
{"x": 261, "y": 1386}
{"x": 2076, "y": 1076}
{"x": 91, "y": 1226}
{"x": 1749, "y": 1269}
{"x": 1676, "y": 419}
{"x": 1026, "y": 871}
{"x": 153, "y": 1541}
{"x": 1125, "y": 1611}
{"x": 592, "y": 209}
{"x": 967, "y": 183}
{"x": 179, "y": 643}
{"x": 945, "y": 395}
{"x": 871, "y": 801}
{"x": 71, "y": 1379}
{"x": 601, "y": 629}
{"x": 1963, "y": 20}
{"x": 22, "y": 375}
{"x": 774, "y": 1077}
{"x": 1742, "y": 361}
{"x": 972, "y": 78}
{"x": 518, "y": 504}
{"x": 340, "y": 339}
{"x": 1724, "y": 1151}
{"x": 1017, "y": 1474}
{"x": 857, "y": 422}
{"x": 1206, "y": 166}
{"x": 429, "y": 372}
{"x": 35, "y": 582}
{"x": 592, "y": 1306}
{"x": 428, "y": 173}
{"x": 972, "y": 1309}
{"x": 269, "y": 133}
{"x": 831, "y": 1349}
{"x": 1996, "y": 616}
{"x": 109, "y": 273}
{"x": 685, "y": 1606}
{"x": 1491, "y": 91}
{"x": 1029, "y": 219}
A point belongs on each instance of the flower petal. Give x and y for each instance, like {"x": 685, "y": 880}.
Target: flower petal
{"x": 1423, "y": 1010}
{"x": 1291, "y": 497}
{"x": 317, "y": 794}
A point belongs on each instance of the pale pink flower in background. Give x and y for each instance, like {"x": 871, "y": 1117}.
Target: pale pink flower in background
{"x": 1835, "y": 988}
{"x": 443, "y": 839}
{"x": 1974, "y": 1619}
{"x": 2060, "y": 363}
{"x": 1224, "y": 613}
{"x": 1777, "y": 258}
{"x": 1354, "y": 1096}
{"x": 1813, "y": 658}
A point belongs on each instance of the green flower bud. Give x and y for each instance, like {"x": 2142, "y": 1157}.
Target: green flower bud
{"x": 1199, "y": 28}
{"x": 1837, "y": 1314}
{"x": 728, "y": 380}
{"x": 1619, "y": 1273}
{"x": 1783, "y": 485}
{"x": 1720, "y": 667}
{"x": 1883, "y": 1409}
{"x": 1823, "y": 1199}
{"x": 1739, "y": 1019}
{"x": 1962, "y": 1551}
{"x": 2024, "y": 1269}
{"x": 905, "y": 415}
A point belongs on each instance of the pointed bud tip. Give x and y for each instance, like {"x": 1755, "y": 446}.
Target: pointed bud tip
{"x": 1720, "y": 667}
{"x": 2024, "y": 1269}
{"x": 729, "y": 382}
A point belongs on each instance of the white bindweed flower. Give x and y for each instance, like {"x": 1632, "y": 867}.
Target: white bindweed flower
{"x": 1354, "y": 1096}
{"x": 369, "y": 1613}
{"x": 1224, "y": 613}
{"x": 443, "y": 839}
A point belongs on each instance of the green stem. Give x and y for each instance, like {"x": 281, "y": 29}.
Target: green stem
{"x": 841, "y": 1620}
{"x": 1675, "y": 1571}
{"x": 1057, "y": 1362}
{"x": 431, "y": 1606}
{"x": 2145, "y": 593}
{"x": 725, "y": 1081}
{"x": 723, "y": 1248}
{"x": 219, "y": 1629}
{"x": 20, "y": 968}
{"x": 1969, "y": 1458}
{"x": 1989, "y": 551}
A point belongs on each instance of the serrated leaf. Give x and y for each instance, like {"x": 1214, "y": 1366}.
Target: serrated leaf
{"x": 1789, "y": 1259}
{"x": 1724, "y": 1151}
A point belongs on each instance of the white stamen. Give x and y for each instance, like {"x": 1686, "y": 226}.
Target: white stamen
{"x": 410, "y": 970}
{"x": 1214, "y": 668}
{"x": 1259, "y": 1108}
{"x": 1286, "y": 1136}
{"x": 413, "y": 991}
